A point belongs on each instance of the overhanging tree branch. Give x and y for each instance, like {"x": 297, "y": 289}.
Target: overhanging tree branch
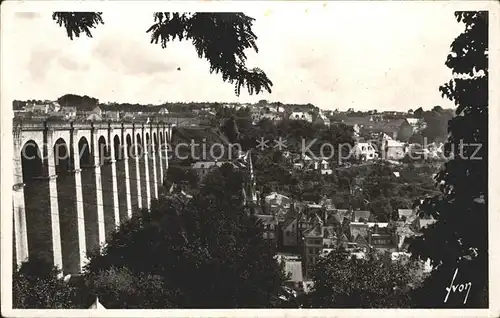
{"x": 220, "y": 38}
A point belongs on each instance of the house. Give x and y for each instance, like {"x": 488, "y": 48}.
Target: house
{"x": 127, "y": 116}
{"x": 409, "y": 127}
{"x": 270, "y": 225}
{"x": 360, "y": 216}
{"x": 364, "y": 151}
{"x": 277, "y": 109}
{"x": 163, "y": 111}
{"x": 362, "y": 242}
{"x": 420, "y": 223}
{"x": 312, "y": 209}
{"x": 203, "y": 167}
{"x": 97, "y": 110}
{"x": 256, "y": 114}
{"x": 289, "y": 232}
{"x": 54, "y": 106}
{"x": 69, "y": 112}
{"x": 294, "y": 268}
{"x": 301, "y": 116}
{"x": 393, "y": 149}
{"x": 405, "y": 214}
{"x": 38, "y": 108}
{"x": 271, "y": 116}
{"x": 328, "y": 205}
{"x": 320, "y": 165}
{"x": 313, "y": 245}
{"x": 371, "y": 235}
{"x": 322, "y": 120}
{"x": 275, "y": 198}
{"x": 112, "y": 114}
{"x": 94, "y": 117}
{"x": 356, "y": 130}
{"x": 97, "y": 305}
{"x": 436, "y": 150}
{"x": 277, "y": 204}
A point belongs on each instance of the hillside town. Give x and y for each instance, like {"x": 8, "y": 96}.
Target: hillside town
{"x": 195, "y": 182}
{"x": 300, "y": 231}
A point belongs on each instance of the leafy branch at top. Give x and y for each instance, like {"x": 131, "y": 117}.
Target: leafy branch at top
{"x": 78, "y": 22}
{"x": 220, "y": 38}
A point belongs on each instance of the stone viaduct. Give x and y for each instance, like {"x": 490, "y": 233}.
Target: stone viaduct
{"x": 75, "y": 182}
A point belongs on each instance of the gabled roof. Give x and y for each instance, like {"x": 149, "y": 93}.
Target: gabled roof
{"x": 412, "y": 121}
{"x": 315, "y": 231}
{"x": 358, "y": 228}
{"x": 288, "y": 222}
{"x": 360, "y": 239}
{"x": 334, "y": 218}
{"x": 343, "y": 238}
{"x": 97, "y": 304}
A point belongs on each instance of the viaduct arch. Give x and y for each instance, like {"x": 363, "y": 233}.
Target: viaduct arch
{"x": 74, "y": 183}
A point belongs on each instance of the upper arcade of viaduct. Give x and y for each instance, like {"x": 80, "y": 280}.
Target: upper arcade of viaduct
{"x": 48, "y": 132}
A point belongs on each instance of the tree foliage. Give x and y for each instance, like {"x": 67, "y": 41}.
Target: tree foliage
{"x": 221, "y": 38}
{"x": 341, "y": 281}
{"x": 207, "y": 252}
{"x": 36, "y": 284}
{"x": 459, "y": 238}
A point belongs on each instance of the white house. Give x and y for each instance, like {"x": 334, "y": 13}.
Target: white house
{"x": 256, "y": 113}
{"x": 69, "y": 112}
{"x": 364, "y": 151}
{"x": 301, "y": 116}
{"x": 271, "y": 116}
{"x": 393, "y": 149}
{"x": 163, "y": 111}
{"x": 277, "y": 199}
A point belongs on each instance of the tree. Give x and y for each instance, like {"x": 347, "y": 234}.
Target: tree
{"x": 221, "y": 38}
{"x": 344, "y": 282}
{"x": 36, "y": 284}
{"x": 459, "y": 238}
{"x": 418, "y": 112}
{"x": 437, "y": 109}
{"x": 206, "y": 252}
{"x": 230, "y": 130}
{"x": 119, "y": 288}
{"x": 82, "y": 103}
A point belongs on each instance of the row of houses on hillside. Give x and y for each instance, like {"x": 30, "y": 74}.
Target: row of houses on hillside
{"x": 260, "y": 113}
{"x": 52, "y": 109}
{"x": 385, "y": 147}
{"x": 397, "y": 129}
{"x": 312, "y": 230}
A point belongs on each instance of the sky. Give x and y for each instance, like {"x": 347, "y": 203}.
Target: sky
{"x": 381, "y": 55}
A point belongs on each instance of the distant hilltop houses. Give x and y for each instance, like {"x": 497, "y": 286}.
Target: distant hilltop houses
{"x": 392, "y": 134}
